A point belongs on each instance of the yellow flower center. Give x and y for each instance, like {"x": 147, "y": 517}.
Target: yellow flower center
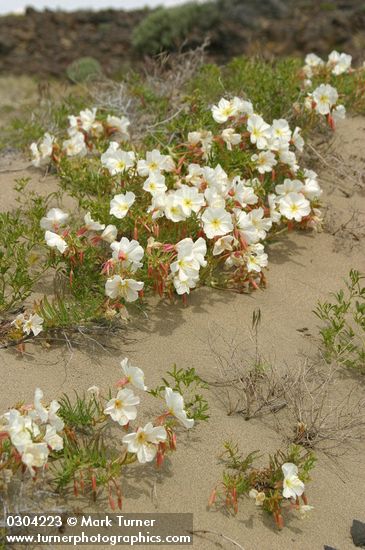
{"x": 141, "y": 438}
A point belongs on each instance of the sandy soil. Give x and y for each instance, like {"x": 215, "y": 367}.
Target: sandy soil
{"x": 304, "y": 267}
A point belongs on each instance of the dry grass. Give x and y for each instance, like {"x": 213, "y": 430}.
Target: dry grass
{"x": 322, "y": 411}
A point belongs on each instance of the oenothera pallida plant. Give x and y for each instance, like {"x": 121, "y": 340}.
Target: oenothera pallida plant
{"x": 196, "y": 209}
{"x": 69, "y": 442}
{"x": 278, "y": 488}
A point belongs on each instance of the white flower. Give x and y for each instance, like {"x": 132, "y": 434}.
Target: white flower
{"x": 265, "y": 161}
{"x": 223, "y": 111}
{"x": 20, "y": 429}
{"x": 289, "y": 158}
{"x": 19, "y": 321}
{"x": 205, "y": 137}
{"x": 313, "y": 60}
{"x": 304, "y": 509}
{"x": 54, "y": 219}
{"x": 73, "y": 125}
{"x": 294, "y": 206}
{"x": 280, "y": 132}
{"x": 128, "y": 253}
{"x": 125, "y": 288}
{"x": 325, "y": 96}
{"x": 259, "y": 131}
{"x": 297, "y": 139}
{"x": 175, "y": 405}
{"x": 311, "y": 189}
{"x": 144, "y": 442}
{"x": 258, "y": 496}
{"x": 184, "y": 287}
{"x": 116, "y": 160}
{"x": 338, "y": 113}
{"x": 289, "y": 186}
{"x": 189, "y": 199}
{"x": 52, "y": 438}
{"x": 36, "y": 156}
{"x": 230, "y": 137}
{"x": 155, "y": 162}
{"x": 340, "y": 62}
{"x": 256, "y": 258}
{"x": 122, "y": 408}
{"x": 253, "y": 226}
{"x": 173, "y": 209}
{"x": 33, "y": 324}
{"x": 35, "y": 455}
{"x": 155, "y": 184}
{"x": 222, "y": 244}
{"x": 75, "y": 145}
{"x": 199, "y": 250}
{"x": 214, "y": 198}
{"x": 195, "y": 175}
{"x": 94, "y": 390}
{"x": 217, "y": 221}
{"x": 109, "y": 234}
{"x": 42, "y": 154}
{"x": 157, "y": 206}
{"x": 186, "y": 267}
{"x": 216, "y": 178}
{"x": 87, "y": 119}
{"x": 53, "y": 418}
{"x": 293, "y": 487}
{"x": 120, "y": 204}
{"x": 92, "y": 225}
{"x": 241, "y": 193}
{"x": 120, "y": 125}
{"x": 135, "y": 375}
{"x": 242, "y": 107}
{"x": 55, "y": 241}
{"x": 39, "y": 409}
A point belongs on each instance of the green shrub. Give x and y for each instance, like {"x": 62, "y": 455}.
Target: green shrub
{"x": 83, "y": 69}
{"x": 166, "y": 28}
{"x": 343, "y": 329}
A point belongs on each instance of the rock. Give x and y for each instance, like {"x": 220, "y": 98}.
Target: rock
{"x": 44, "y": 43}
{"x": 358, "y": 533}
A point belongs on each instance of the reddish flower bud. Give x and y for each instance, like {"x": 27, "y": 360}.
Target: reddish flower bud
{"x": 212, "y": 498}
{"x": 159, "y": 458}
{"x": 111, "y": 502}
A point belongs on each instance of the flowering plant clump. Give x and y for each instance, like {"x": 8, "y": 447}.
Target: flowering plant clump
{"x": 277, "y": 489}
{"x": 194, "y": 202}
{"x": 68, "y": 440}
{"x": 200, "y": 213}
{"x": 337, "y": 64}
{"x": 322, "y": 77}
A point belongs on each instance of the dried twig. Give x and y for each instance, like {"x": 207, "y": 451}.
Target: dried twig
{"x": 318, "y": 418}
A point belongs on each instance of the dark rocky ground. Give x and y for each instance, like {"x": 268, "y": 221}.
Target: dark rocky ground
{"x": 45, "y": 43}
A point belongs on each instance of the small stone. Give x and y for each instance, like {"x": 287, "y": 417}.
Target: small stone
{"x": 358, "y": 533}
